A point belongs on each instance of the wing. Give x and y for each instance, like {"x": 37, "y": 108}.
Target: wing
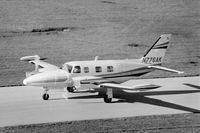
{"x": 43, "y": 64}
{"x": 145, "y": 89}
{"x": 165, "y": 69}
{"x": 101, "y": 82}
{"x": 40, "y": 65}
{"x": 95, "y": 80}
{"x": 141, "y": 87}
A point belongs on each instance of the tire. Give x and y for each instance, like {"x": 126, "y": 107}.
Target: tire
{"x": 107, "y": 100}
{"x": 45, "y": 96}
{"x": 70, "y": 89}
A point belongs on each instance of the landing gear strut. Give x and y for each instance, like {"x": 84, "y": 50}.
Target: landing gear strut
{"x": 108, "y": 96}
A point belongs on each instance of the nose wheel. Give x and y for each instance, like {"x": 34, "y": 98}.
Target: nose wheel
{"x": 45, "y": 96}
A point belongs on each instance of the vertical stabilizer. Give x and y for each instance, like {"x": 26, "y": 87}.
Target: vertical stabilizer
{"x": 155, "y": 55}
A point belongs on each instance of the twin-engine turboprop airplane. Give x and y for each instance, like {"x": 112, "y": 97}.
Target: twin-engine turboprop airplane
{"x": 108, "y": 74}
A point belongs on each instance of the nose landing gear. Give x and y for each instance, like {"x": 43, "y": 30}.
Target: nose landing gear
{"x": 45, "y": 95}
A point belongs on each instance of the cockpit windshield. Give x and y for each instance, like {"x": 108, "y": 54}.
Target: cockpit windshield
{"x": 67, "y": 67}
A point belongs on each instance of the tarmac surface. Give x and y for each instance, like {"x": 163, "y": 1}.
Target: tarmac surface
{"x": 22, "y": 105}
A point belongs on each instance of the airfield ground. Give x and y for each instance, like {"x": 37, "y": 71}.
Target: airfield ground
{"x": 177, "y": 123}
{"x": 67, "y": 30}
{"x": 68, "y": 112}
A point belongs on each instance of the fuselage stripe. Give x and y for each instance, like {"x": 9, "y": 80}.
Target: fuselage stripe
{"x": 134, "y": 72}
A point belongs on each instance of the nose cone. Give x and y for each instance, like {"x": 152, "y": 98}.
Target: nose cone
{"x": 45, "y": 78}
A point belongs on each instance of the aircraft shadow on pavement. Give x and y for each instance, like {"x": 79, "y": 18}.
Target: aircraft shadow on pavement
{"x": 191, "y": 85}
{"x": 51, "y": 99}
{"x": 147, "y": 100}
{"x": 78, "y": 97}
{"x": 134, "y": 97}
{"x": 161, "y": 103}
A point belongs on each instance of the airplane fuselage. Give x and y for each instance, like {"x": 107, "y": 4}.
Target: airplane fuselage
{"x": 108, "y": 70}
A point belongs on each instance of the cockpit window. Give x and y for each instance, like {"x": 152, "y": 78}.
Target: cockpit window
{"x": 77, "y": 69}
{"x": 67, "y": 67}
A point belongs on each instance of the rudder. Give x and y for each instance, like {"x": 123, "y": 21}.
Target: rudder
{"x": 156, "y": 53}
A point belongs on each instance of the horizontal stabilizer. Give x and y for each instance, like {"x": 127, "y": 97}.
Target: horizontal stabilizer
{"x": 165, "y": 69}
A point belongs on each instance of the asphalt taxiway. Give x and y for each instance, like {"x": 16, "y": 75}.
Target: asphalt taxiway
{"x": 24, "y": 105}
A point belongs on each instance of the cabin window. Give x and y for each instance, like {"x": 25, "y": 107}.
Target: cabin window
{"x": 98, "y": 69}
{"x": 109, "y": 68}
{"x": 77, "y": 69}
{"x": 86, "y": 69}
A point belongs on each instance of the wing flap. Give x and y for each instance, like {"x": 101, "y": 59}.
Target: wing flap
{"x": 86, "y": 78}
{"x": 141, "y": 87}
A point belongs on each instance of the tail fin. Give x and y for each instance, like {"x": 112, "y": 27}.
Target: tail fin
{"x": 155, "y": 55}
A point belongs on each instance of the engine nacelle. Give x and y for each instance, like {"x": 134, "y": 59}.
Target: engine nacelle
{"x": 49, "y": 78}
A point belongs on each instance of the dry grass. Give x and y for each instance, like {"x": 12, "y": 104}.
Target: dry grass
{"x": 103, "y": 28}
{"x": 184, "y": 123}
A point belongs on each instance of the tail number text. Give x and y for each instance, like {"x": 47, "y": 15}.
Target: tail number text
{"x": 152, "y": 60}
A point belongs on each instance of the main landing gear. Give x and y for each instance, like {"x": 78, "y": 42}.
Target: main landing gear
{"x": 71, "y": 89}
{"x": 108, "y": 96}
{"x": 106, "y": 99}
{"x": 45, "y": 95}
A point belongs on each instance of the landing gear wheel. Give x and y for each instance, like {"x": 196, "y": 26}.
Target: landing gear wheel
{"x": 107, "y": 100}
{"x": 70, "y": 89}
{"x": 45, "y": 96}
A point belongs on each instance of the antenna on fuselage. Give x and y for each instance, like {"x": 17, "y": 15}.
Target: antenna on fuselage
{"x": 96, "y": 58}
